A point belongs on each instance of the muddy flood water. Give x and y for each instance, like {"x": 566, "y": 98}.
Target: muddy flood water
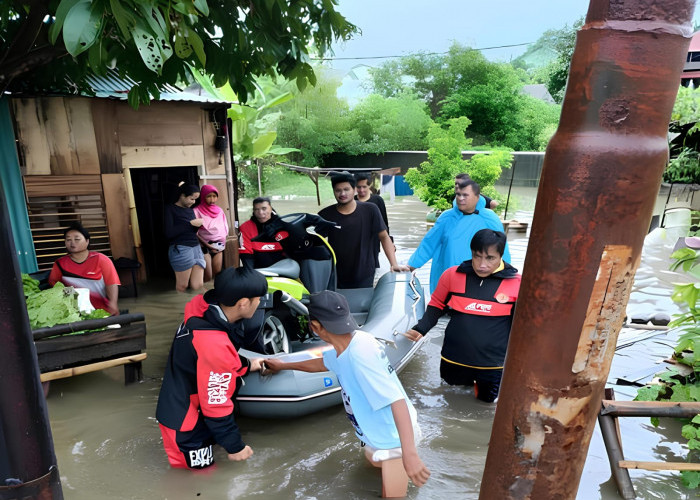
{"x": 108, "y": 445}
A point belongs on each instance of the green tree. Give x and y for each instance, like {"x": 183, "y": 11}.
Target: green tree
{"x": 433, "y": 77}
{"x": 556, "y": 73}
{"x": 317, "y": 122}
{"x": 433, "y": 180}
{"x": 464, "y": 83}
{"x": 398, "y": 123}
{"x": 156, "y": 41}
{"x": 387, "y": 80}
{"x": 314, "y": 120}
{"x": 491, "y": 104}
{"x": 502, "y": 115}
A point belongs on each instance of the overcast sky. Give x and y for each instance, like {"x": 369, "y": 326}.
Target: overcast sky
{"x": 401, "y": 27}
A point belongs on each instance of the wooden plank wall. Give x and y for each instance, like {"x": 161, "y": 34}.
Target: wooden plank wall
{"x": 161, "y": 134}
{"x": 104, "y": 118}
{"x": 118, "y": 220}
{"x": 56, "y": 135}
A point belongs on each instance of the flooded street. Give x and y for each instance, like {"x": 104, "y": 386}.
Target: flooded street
{"x": 108, "y": 445}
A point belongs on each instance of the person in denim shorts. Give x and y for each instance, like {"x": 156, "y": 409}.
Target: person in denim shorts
{"x": 180, "y": 227}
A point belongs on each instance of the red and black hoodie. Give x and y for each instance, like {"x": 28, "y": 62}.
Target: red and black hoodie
{"x": 203, "y": 375}
{"x": 481, "y": 314}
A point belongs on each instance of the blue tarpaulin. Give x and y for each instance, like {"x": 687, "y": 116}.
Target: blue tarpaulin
{"x": 401, "y": 187}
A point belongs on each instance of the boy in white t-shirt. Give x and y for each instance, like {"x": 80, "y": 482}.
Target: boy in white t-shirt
{"x": 374, "y": 399}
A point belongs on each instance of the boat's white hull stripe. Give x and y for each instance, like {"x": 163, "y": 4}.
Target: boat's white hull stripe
{"x": 288, "y": 399}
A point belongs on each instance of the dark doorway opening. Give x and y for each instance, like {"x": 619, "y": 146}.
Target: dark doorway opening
{"x": 154, "y": 188}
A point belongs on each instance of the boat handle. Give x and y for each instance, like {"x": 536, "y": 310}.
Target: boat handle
{"x": 386, "y": 342}
{"x": 396, "y": 332}
{"x": 412, "y": 284}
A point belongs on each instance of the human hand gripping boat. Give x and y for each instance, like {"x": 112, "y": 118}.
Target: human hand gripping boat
{"x": 386, "y": 311}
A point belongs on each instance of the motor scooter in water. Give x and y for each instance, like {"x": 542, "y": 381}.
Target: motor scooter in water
{"x": 309, "y": 268}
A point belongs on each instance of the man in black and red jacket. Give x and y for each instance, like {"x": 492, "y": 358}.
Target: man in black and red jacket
{"x": 203, "y": 373}
{"x": 480, "y": 296}
{"x": 258, "y": 254}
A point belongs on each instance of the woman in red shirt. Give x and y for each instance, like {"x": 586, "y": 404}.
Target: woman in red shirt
{"x": 82, "y": 268}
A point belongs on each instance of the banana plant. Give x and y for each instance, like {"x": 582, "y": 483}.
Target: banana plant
{"x": 254, "y": 126}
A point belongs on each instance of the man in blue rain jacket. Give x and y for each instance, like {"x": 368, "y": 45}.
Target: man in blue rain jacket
{"x": 447, "y": 243}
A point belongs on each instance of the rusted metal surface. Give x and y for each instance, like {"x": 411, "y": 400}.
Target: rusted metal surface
{"x": 47, "y": 487}
{"x": 27, "y": 459}
{"x": 601, "y": 175}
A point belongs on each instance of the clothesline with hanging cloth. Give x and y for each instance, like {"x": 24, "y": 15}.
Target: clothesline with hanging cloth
{"x": 314, "y": 172}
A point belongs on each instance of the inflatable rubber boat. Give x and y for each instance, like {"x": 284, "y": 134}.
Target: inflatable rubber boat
{"x": 386, "y": 311}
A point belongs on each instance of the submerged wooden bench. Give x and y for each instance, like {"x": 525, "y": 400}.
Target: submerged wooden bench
{"x": 63, "y": 353}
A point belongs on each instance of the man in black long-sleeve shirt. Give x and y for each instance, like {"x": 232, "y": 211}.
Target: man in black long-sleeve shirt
{"x": 480, "y": 296}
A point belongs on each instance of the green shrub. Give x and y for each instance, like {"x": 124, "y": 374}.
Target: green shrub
{"x": 685, "y": 168}
{"x": 433, "y": 180}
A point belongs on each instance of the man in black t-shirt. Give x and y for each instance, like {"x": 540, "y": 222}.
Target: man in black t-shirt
{"x": 362, "y": 187}
{"x": 359, "y": 224}
{"x": 364, "y": 194}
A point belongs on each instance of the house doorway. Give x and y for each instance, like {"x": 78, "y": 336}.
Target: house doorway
{"x": 153, "y": 189}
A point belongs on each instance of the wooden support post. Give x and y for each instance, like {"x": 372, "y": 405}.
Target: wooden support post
{"x": 93, "y": 367}
{"x": 649, "y": 409}
{"x": 633, "y": 464}
{"x": 614, "y": 449}
{"x": 314, "y": 177}
{"x": 133, "y": 372}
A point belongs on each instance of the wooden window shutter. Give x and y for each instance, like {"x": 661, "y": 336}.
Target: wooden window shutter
{"x": 56, "y": 201}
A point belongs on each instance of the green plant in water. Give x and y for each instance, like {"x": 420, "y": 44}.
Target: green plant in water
{"x": 682, "y": 383}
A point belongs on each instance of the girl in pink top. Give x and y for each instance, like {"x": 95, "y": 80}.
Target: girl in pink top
{"x": 213, "y": 232}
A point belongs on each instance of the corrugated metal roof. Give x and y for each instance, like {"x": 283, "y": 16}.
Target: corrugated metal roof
{"x": 112, "y": 86}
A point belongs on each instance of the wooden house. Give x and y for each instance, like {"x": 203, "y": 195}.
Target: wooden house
{"x": 113, "y": 168}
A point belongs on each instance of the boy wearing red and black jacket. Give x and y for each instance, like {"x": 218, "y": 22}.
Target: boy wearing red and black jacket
{"x": 480, "y": 296}
{"x": 203, "y": 374}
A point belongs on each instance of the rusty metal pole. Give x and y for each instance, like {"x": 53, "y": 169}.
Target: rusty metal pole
{"x": 601, "y": 175}
{"x": 27, "y": 461}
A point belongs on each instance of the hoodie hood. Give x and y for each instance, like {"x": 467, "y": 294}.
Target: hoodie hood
{"x": 507, "y": 272}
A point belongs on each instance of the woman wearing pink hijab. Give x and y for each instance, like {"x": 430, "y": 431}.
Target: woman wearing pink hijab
{"x": 213, "y": 232}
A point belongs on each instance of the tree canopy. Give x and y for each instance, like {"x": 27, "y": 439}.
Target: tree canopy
{"x": 318, "y": 122}
{"x": 53, "y": 44}
{"x": 464, "y": 83}
{"x": 557, "y": 72}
